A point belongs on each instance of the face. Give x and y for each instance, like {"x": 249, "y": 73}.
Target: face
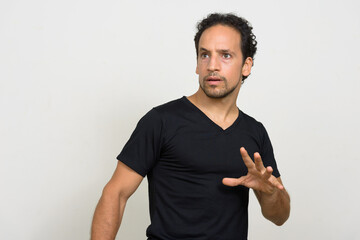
{"x": 220, "y": 63}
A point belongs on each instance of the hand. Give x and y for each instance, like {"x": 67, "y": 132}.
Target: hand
{"x": 258, "y": 178}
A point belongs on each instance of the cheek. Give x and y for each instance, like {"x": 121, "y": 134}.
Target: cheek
{"x": 233, "y": 71}
{"x": 201, "y": 67}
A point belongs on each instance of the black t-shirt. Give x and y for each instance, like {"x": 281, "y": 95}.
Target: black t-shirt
{"x": 185, "y": 156}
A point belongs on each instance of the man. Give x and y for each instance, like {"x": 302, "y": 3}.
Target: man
{"x": 189, "y": 149}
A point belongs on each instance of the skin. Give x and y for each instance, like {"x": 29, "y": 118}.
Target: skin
{"x": 220, "y": 67}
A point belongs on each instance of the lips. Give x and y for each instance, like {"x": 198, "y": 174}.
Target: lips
{"x": 213, "y": 79}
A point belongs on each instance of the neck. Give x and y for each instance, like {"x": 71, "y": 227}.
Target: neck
{"x": 218, "y": 109}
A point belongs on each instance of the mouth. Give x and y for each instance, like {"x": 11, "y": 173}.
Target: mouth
{"x": 213, "y": 79}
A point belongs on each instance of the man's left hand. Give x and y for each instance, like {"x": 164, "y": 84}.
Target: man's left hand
{"x": 258, "y": 177}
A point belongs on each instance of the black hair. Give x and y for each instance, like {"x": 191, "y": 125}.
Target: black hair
{"x": 248, "y": 42}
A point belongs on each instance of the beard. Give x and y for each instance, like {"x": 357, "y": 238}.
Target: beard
{"x": 221, "y": 91}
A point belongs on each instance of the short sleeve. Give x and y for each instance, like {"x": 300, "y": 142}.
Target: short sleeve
{"x": 143, "y": 148}
{"x": 267, "y": 153}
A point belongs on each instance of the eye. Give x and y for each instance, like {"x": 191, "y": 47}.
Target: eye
{"x": 204, "y": 55}
{"x": 226, "y": 55}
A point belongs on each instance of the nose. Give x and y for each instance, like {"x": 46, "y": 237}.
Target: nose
{"x": 214, "y": 64}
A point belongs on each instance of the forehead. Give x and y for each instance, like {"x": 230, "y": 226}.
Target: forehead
{"x": 220, "y": 37}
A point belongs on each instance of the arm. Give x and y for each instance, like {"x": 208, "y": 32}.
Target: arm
{"x": 110, "y": 209}
{"x": 275, "y": 206}
{"x": 269, "y": 190}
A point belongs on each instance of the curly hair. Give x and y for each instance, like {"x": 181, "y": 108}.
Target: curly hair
{"x": 248, "y": 42}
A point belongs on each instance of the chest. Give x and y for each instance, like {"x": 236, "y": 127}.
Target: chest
{"x": 202, "y": 151}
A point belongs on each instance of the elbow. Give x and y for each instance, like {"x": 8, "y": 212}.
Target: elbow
{"x": 112, "y": 193}
{"x": 280, "y": 222}
{"x": 278, "y": 218}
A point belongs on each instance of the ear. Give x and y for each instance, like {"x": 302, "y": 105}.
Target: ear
{"x": 246, "y": 68}
{"x": 197, "y": 69}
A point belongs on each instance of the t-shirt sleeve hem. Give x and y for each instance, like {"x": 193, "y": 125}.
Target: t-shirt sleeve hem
{"x": 131, "y": 165}
{"x": 277, "y": 174}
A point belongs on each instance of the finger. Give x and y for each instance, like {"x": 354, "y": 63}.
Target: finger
{"x": 274, "y": 181}
{"x": 268, "y": 172}
{"x": 258, "y": 162}
{"x": 246, "y": 158}
{"x": 278, "y": 184}
{"x": 232, "y": 182}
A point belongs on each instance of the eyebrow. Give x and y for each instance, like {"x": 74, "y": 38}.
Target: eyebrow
{"x": 202, "y": 49}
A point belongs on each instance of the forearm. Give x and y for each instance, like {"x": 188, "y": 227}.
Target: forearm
{"x": 276, "y": 206}
{"x": 107, "y": 216}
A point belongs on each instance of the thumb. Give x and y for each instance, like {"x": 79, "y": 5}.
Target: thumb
{"x": 231, "y": 182}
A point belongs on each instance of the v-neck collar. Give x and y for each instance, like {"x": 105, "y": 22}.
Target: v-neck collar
{"x": 201, "y": 113}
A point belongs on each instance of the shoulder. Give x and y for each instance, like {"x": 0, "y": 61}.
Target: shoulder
{"x": 250, "y": 121}
{"x": 173, "y": 110}
{"x": 157, "y": 111}
{"x": 162, "y": 113}
{"x": 170, "y": 107}
{"x": 253, "y": 125}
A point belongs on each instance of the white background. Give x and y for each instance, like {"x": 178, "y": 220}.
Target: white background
{"x": 76, "y": 76}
